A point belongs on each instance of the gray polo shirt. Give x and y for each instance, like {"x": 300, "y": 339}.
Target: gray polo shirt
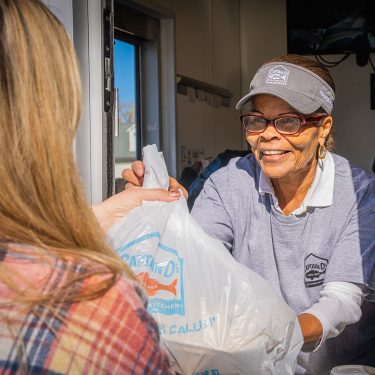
{"x": 296, "y": 254}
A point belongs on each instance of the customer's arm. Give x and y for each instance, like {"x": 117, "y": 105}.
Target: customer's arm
{"x": 119, "y": 205}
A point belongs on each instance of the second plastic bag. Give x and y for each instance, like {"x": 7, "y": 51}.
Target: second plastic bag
{"x": 215, "y": 315}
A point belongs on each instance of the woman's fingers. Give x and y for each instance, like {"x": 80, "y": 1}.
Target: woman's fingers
{"x": 138, "y": 168}
{"x": 175, "y": 186}
{"x": 129, "y": 176}
{"x": 129, "y": 185}
{"x": 135, "y": 175}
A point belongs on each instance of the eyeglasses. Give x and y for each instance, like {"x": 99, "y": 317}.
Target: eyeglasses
{"x": 284, "y": 125}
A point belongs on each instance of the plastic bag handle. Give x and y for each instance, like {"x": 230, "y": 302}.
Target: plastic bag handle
{"x": 156, "y": 173}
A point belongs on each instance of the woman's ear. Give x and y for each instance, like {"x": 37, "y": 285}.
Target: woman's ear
{"x": 324, "y": 129}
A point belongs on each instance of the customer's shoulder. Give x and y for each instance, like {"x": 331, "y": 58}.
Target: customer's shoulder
{"x": 239, "y": 174}
{"x": 47, "y": 271}
{"x": 246, "y": 166}
{"x": 347, "y": 172}
{"x": 35, "y": 266}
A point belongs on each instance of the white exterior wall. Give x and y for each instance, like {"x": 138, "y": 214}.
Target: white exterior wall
{"x": 82, "y": 19}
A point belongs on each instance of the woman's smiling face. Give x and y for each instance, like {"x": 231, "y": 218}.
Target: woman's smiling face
{"x": 284, "y": 155}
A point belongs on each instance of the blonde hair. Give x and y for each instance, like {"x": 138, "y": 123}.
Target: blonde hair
{"x": 41, "y": 199}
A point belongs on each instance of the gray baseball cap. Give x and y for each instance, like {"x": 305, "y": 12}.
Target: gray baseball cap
{"x": 302, "y": 89}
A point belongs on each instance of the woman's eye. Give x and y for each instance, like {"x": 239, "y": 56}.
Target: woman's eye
{"x": 259, "y": 120}
{"x": 289, "y": 120}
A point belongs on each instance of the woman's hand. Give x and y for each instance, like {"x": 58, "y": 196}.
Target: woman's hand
{"x": 135, "y": 176}
{"x": 311, "y": 328}
{"x": 119, "y": 205}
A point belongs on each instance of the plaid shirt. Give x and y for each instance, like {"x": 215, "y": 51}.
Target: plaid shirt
{"x": 112, "y": 334}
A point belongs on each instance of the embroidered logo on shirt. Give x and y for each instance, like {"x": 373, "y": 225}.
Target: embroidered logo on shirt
{"x": 315, "y": 269}
{"x": 278, "y": 75}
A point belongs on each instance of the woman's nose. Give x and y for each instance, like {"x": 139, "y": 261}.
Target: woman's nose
{"x": 270, "y": 132}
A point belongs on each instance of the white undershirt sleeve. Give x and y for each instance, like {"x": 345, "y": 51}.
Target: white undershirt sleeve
{"x": 339, "y": 305}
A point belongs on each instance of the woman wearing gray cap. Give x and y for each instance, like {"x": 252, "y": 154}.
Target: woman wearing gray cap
{"x": 297, "y": 214}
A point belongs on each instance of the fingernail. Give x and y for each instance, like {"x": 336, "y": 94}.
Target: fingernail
{"x": 175, "y": 194}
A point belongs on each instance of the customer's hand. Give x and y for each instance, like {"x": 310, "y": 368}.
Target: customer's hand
{"x": 119, "y": 205}
{"x": 134, "y": 177}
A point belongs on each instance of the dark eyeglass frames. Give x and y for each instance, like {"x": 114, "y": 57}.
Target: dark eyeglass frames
{"x": 284, "y": 125}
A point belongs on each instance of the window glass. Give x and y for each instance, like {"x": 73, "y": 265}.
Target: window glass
{"x": 125, "y": 72}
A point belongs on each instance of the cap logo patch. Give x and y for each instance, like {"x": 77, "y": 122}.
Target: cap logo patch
{"x": 278, "y": 75}
{"x": 326, "y": 98}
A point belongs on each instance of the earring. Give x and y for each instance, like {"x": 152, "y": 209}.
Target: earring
{"x": 322, "y": 152}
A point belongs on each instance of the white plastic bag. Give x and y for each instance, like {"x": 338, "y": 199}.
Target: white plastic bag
{"x": 215, "y": 315}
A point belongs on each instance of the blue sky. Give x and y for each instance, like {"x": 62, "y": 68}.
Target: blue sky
{"x": 124, "y": 56}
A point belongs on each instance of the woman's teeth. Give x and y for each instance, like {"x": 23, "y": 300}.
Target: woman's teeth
{"x": 273, "y": 152}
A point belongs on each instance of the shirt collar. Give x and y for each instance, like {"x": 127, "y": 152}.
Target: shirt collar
{"x": 320, "y": 193}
